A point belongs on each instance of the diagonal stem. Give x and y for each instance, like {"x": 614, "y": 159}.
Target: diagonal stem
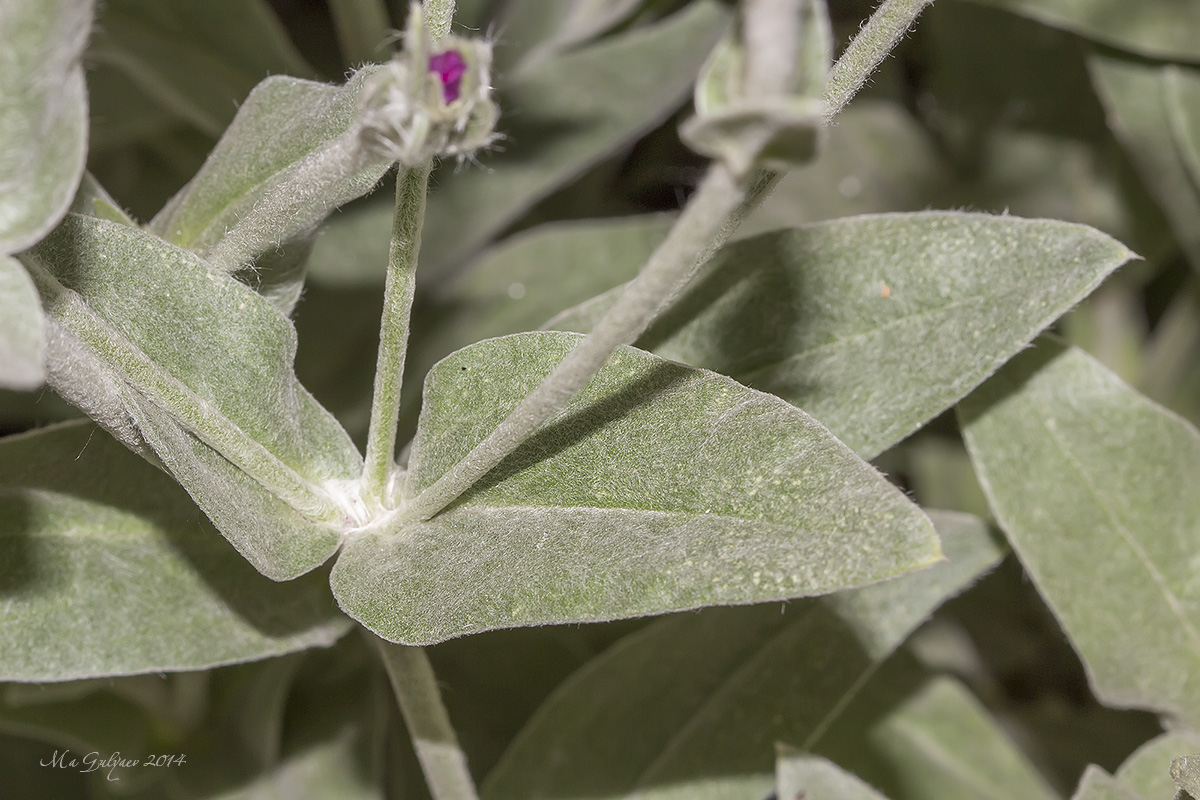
{"x": 714, "y": 212}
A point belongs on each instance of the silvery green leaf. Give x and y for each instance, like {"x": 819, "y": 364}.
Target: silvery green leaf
{"x": 197, "y": 58}
{"x": 109, "y": 569}
{"x": 816, "y": 778}
{"x": 939, "y": 743}
{"x": 692, "y": 706}
{"x": 534, "y": 30}
{"x": 1148, "y": 771}
{"x": 1097, "y": 784}
{"x": 165, "y": 352}
{"x": 874, "y": 325}
{"x": 559, "y": 117}
{"x": 43, "y": 114}
{"x": 1182, "y": 98}
{"x": 327, "y": 771}
{"x": 1092, "y": 483}
{"x": 259, "y": 197}
{"x": 741, "y": 499}
{"x": 22, "y": 339}
{"x": 1138, "y": 100}
{"x": 1154, "y": 28}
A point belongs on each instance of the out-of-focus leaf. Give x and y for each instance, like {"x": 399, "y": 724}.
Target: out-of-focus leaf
{"x": 875, "y": 325}
{"x": 1099, "y": 785}
{"x": 1148, "y": 771}
{"x": 43, "y": 114}
{"x": 198, "y": 58}
{"x": 22, "y": 339}
{"x": 940, "y": 744}
{"x": 362, "y": 29}
{"x": 742, "y": 499}
{"x": 1135, "y": 94}
{"x": 1183, "y": 113}
{"x": 161, "y": 350}
{"x": 725, "y": 685}
{"x": 332, "y": 771}
{"x": 1092, "y": 483}
{"x": 878, "y": 158}
{"x": 534, "y": 31}
{"x": 263, "y": 161}
{"x": 1154, "y": 28}
{"x": 559, "y": 117}
{"x": 815, "y": 778}
{"x": 109, "y": 569}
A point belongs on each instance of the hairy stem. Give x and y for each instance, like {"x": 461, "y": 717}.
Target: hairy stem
{"x": 438, "y": 16}
{"x": 411, "y": 186}
{"x": 713, "y": 214}
{"x": 883, "y": 31}
{"x": 415, "y": 687}
{"x": 685, "y": 249}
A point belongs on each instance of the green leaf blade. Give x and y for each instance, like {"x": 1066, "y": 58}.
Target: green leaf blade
{"x": 109, "y": 569}
{"x": 876, "y": 324}
{"x": 726, "y": 685}
{"x": 43, "y": 128}
{"x": 284, "y": 124}
{"x": 740, "y": 498}
{"x": 815, "y": 778}
{"x": 167, "y": 353}
{"x": 1092, "y": 484}
{"x": 1154, "y": 28}
{"x": 22, "y": 338}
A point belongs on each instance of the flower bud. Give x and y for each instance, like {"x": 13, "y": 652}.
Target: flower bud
{"x": 430, "y": 101}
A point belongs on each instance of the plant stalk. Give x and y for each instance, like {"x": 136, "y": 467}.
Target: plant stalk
{"x": 416, "y": 690}
{"x": 867, "y": 50}
{"x": 379, "y": 463}
{"x": 438, "y": 16}
{"x": 713, "y": 214}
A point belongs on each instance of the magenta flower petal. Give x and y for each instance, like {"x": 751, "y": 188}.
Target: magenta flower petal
{"x": 450, "y": 67}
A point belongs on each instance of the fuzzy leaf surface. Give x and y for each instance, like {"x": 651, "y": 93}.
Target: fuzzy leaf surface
{"x": 815, "y": 778}
{"x": 725, "y": 685}
{"x": 284, "y": 125}
{"x": 938, "y": 743}
{"x": 1097, "y": 784}
{"x": 43, "y": 114}
{"x": 559, "y": 117}
{"x": 1154, "y": 28}
{"x": 741, "y": 498}
{"x": 1139, "y": 98}
{"x": 151, "y": 342}
{"x": 197, "y": 58}
{"x": 804, "y": 314}
{"x": 107, "y": 568}
{"x": 22, "y": 340}
{"x": 1093, "y": 484}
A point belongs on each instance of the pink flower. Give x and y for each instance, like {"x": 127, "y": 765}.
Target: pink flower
{"x": 450, "y": 67}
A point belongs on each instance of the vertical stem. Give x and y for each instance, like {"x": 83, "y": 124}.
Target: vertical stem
{"x": 438, "y": 16}
{"x": 415, "y": 686}
{"x": 411, "y": 186}
{"x": 883, "y": 31}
